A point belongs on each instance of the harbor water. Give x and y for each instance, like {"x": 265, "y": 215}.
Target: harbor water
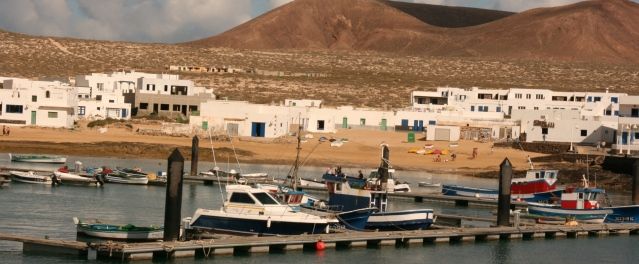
{"x": 42, "y": 210}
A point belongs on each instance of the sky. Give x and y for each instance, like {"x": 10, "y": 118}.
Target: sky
{"x": 168, "y": 21}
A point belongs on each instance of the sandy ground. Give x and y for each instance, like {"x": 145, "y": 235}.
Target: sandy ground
{"x": 362, "y": 150}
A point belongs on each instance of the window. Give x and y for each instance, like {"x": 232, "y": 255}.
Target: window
{"x": 81, "y": 110}
{"x": 521, "y": 107}
{"x": 608, "y": 112}
{"x": 166, "y": 88}
{"x": 544, "y": 131}
{"x": 584, "y": 132}
{"x": 634, "y": 112}
{"x": 34, "y": 98}
{"x": 192, "y": 108}
{"x": 597, "y": 99}
{"x": 52, "y": 114}
{"x": 472, "y": 108}
{"x": 535, "y": 108}
{"x": 241, "y": 198}
{"x": 614, "y": 100}
{"x": 528, "y": 96}
{"x": 111, "y": 101}
{"x": 616, "y": 113}
{"x": 98, "y": 97}
{"x": 517, "y": 96}
{"x": 362, "y": 121}
{"x": 17, "y": 109}
{"x": 100, "y": 86}
{"x": 264, "y": 198}
{"x": 176, "y": 108}
{"x": 144, "y": 106}
{"x": 589, "y": 99}
{"x": 98, "y": 108}
{"x": 47, "y": 94}
{"x": 498, "y": 109}
{"x": 164, "y": 107}
{"x": 636, "y": 135}
{"x": 320, "y": 124}
{"x": 539, "y": 96}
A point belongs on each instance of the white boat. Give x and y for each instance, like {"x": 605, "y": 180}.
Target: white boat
{"x": 36, "y": 158}
{"x": 429, "y": 184}
{"x": 70, "y": 178}
{"x": 125, "y": 176}
{"x": 313, "y": 183}
{"x": 252, "y": 211}
{"x": 391, "y": 185}
{"x": 30, "y": 177}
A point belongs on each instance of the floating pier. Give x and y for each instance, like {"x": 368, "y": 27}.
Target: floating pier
{"x": 239, "y": 245}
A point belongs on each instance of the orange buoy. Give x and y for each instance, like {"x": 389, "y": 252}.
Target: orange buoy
{"x": 320, "y": 246}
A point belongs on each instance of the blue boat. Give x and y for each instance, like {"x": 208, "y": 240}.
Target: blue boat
{"x": 623, "y": 214}
{"x": 579, "y": 204}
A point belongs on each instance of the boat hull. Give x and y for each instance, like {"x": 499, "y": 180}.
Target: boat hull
{"x": 69, "y": 178}
{"x": 27, "y": 177}
{"x": 456, "y": 190}
{"x": 113, "y": 232}
{"x": 355, "y": 219}
{"x": 127, "y": 180}
{"x": 623, "y": 214}
{"x": 257, "y": 225}
{"x": 401, "y": 220}
{"x": 596, "y": 216}
{"x": 37, "y": 159}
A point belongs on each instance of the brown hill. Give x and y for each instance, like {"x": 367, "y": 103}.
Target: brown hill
{"x": 600, "y": 30}
{"x": 449, "y": 16}
{"x": 597, "y": 30}
{"x": 331, "y": 24}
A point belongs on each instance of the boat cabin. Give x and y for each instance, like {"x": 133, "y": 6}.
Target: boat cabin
{"x": 248, "y": 200}
{"x": 581, "y": 198}
{"x": 535, "y": 181}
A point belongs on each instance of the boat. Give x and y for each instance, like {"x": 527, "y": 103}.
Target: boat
{"x": 429, "y": 184}
{"x": 536, "y": 186}
{"x": 234, "y": 176}
{"x": 253, "y": 211}
{"x": 579, "y": 204}
{"x": 392, "y": 185}
{"x": 119, "y": 232}
{"x": 36, "y": 158}
{"x": 356, "y": 193}
{"x": 313, "y": 183}
{"x": 125, "y": 176}
{"x": 623, "y": 214}
{"x": 67, "y": 177}
{"x": 30, "y": 177}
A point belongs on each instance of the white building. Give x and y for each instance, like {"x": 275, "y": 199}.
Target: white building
{"x": 38, "y": 103}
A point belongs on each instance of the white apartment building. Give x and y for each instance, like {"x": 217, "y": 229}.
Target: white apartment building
{"x": 38, "y": 103}
{"x": 627, "y": 136}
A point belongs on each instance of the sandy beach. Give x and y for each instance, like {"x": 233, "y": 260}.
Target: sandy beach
{"x": 361, "y": 150}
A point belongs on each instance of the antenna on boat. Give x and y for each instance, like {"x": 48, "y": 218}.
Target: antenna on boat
{"x": 297, "y": 155}
{"x": 217, "y": 172}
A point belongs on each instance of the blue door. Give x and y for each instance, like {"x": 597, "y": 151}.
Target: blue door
{"x": 405, "y": 123}
{"x": 415, "y": 125}
{"x": 421, "y": 125}
{"x": 124, "y": 112}
{"x": 257, "y": 129}
{"x": 624, "y": 138}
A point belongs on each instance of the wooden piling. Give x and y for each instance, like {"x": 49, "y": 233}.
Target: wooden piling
{"x": 195, "y": 154}
{"x": 635, "y": 182}
{"x": 503, "y": 202}
{"x": 173, "y": 205}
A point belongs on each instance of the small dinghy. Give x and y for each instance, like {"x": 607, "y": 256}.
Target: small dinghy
{"x": 119, "y": 232}
{"x": 37, "y": 158}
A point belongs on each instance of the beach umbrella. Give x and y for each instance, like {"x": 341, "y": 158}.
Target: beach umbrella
{"x": 436, "y": 152}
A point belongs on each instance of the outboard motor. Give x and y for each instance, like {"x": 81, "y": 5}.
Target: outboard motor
{"x": 54, "y": 180}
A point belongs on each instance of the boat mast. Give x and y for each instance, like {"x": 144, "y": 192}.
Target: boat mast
{"x": 297, "y": 155}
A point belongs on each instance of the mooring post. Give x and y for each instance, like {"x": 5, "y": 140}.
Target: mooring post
{"x": 635, "y": 182}
{"x": 195, "y": 154}
{"x": 503, "y": 203}
{"x": 173, "y": 205}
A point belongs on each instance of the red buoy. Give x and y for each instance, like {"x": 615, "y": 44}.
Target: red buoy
{"x": 320, "y": 246}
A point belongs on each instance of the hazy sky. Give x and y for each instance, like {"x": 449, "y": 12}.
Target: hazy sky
{"x": 167, "y": 20}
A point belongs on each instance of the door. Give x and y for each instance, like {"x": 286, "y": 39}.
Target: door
{"x": 257, "y": 129}
{"x": 415, "y": 125}
{"x": 205, "y": 125}
{"x": 33, "y": 117}
{"x": 624, "y": 138}
{"x": 155, "y": 108}
{"x": 232, "y": 129}
{"x": 124, "y": 112}
{"x": 344, "y": 122}
{"x": 442, "y": 134}
{"x": 383, "y": 124}
{"x": 183, "y": 109}
{"x": 405, "y": 123}
{"x": 580, "y": 201}
{"x": 421, "y": 125}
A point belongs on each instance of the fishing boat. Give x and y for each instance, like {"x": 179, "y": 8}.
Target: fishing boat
{"x": 36, "y": 158}
{"x": 536, "y": 186}
{"x": 125, "y": 176}
{"x": 623, "y": 214}
{"x": 579, "y": 204}
{"x": 355, "y": 193}
{"x": 313, "y": 183}
{"x": 30, "y": 177}
{"x": 119, "y": 232}
{"x": 392, "y": 185}
{"x": 253, "y": 211}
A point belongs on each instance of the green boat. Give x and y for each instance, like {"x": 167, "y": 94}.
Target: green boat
{"x": 119, "y": 232}
{"x": 36, "y": 158}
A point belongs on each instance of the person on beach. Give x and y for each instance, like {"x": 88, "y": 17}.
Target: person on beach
{"x": 8, "y": 131}
{"x": 475, "y": 153}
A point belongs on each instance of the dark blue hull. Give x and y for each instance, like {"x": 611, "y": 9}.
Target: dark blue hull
{"x": 355, "y": 219}
{"x": 256, "y": 227}
{"x": 623, "y": 214}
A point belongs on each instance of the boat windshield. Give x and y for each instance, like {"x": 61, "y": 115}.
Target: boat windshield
{"x": 264, "y": 198}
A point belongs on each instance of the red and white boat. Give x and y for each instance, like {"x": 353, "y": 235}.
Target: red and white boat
{"x": 535, "y": 181}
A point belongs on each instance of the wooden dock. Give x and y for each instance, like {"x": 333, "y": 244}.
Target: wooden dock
{"x": 278, "y": 244}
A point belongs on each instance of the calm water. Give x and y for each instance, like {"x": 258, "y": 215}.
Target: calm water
{"x": 43, "y": 210}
